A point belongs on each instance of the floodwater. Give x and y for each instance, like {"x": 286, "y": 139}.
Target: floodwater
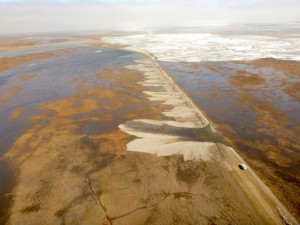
{"x": 25, "y": 88}
{"x": 49, "y": 80}
{"x": 257, "y": 107}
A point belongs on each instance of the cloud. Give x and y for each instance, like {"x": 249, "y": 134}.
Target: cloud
{"x": 50, "y": 16}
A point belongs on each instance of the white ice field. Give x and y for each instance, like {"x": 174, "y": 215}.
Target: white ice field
{"x": 195, "y": 47}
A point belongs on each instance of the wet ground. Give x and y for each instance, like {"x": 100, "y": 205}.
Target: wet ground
{"x": 256, "y": 105}
{"x": 26, "y": 87}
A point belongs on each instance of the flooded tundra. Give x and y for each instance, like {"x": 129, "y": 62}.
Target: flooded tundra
{"x": 246, "y": 80}
{"x": 101, "y": 135}
{"x": 256, "y": 106}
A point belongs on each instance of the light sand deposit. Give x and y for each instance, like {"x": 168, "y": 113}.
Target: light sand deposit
{"x": 182, "y": 114}
{"x": 182, "y": 108}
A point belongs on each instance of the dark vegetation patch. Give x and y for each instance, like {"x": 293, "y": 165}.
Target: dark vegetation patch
{"x": 189, "y": 171}
{"x": 31, "y": 208}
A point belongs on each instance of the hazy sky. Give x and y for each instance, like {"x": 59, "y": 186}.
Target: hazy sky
{"x": 19, "y": 16}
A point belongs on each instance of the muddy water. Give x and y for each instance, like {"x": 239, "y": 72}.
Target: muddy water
{"x": 257, "y": 107}
{"x": 24, "y": 89}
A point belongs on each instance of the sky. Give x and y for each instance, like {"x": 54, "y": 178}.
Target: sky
{"x": 32, "y": 16}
